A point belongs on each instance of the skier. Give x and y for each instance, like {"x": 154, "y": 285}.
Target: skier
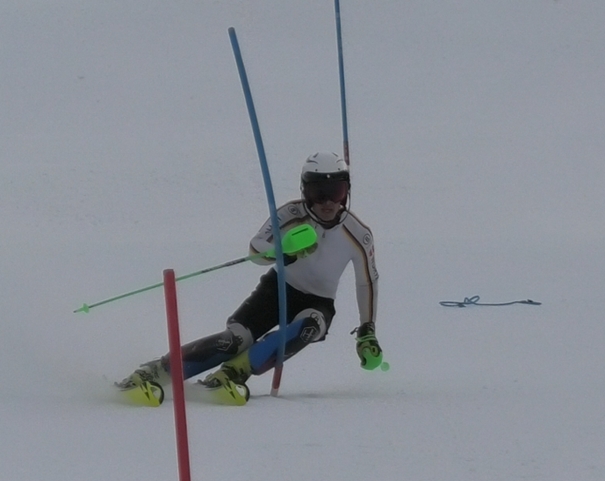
{"x": 248, "y": 346}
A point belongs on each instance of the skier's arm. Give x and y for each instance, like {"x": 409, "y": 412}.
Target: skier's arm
{"x": 260, "y": 243}
{"x": 366, "y": 279}
{"x": 366, "y": 275}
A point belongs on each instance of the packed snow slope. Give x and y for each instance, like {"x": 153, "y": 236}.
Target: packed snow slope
{"x": 477, "y": 134}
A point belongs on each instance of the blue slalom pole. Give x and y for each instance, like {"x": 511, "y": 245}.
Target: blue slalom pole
{"x": 343, "y": 97}
{"x": 281, "y": 278}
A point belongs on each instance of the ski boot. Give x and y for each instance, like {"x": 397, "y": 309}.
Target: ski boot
{"x": 232, "y": 377}
{"x": 154, "y": 372}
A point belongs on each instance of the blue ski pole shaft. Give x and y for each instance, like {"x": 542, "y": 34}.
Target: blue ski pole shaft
{"x": 281, "y": 282}
{"x": 341, "y": 74}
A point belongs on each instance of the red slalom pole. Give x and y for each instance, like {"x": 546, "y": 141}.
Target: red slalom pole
{"x": 176, "y": 372}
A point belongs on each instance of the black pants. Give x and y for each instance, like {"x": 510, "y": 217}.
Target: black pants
{"x": 260, "y": 311}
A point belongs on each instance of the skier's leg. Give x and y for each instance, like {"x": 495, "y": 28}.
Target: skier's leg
{"x": 308, "y": 326}
{"x": 210, "y": 351}
{"x": 198, "y": 356}
{"x": 254, "y": 317}
{"x": 257, "y": 315}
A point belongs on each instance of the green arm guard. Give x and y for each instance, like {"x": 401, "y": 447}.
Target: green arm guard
{"x": 297, "y": 239}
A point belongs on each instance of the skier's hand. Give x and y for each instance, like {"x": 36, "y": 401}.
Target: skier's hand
{"x": 301, "y": 254}
{"x": 368, "y": 349}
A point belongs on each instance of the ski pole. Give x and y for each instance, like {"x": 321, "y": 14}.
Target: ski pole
{"x": 296, "y": 239}
{"x": 88, "y": 307}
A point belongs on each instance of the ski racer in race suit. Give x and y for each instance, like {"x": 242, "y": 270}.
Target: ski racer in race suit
{"x": 249, "y": 344}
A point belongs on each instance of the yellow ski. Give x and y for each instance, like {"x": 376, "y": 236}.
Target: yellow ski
{"x": 230, "y": 394}
{"x": 152, "y": 395}
{"x": 146, "y": 394}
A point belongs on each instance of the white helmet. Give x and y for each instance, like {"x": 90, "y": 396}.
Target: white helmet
{"x": 325, "y": 176}
{"x": 326, "y": 163}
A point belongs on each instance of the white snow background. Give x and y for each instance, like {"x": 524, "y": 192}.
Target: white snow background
{"x": 477, "y": 134}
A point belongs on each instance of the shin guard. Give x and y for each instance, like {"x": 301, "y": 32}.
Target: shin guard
{"x": 208, "y": 352}
{"x": 309, "y": 326}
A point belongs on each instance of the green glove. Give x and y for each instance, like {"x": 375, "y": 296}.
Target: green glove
{"x": 368, "y": 349}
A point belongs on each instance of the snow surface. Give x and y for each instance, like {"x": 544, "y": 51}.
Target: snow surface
{"x": 477, "y": 136}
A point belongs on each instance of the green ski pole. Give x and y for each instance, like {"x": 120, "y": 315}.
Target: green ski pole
{"x": 296, "y": 239}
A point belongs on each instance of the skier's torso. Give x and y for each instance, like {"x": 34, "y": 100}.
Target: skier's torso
{"x": 320, "y": 272}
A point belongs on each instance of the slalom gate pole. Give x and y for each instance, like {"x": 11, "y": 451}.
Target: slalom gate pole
{"x": 176, "y": 372}
{"x": 343, "y": 97}
{"x": 279, "y": 257}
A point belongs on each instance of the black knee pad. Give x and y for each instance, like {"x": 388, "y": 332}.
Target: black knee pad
{"x": 313, "y": 327}
{"x": 233, "y": 340}
{"x": 241, "y": 334}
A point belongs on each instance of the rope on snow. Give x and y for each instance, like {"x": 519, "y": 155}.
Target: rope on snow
{"x": 474, "y": 301}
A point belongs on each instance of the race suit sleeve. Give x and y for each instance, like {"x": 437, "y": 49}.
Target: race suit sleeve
{"x": 366, "y": 274}
{"x": 289, "y": 215}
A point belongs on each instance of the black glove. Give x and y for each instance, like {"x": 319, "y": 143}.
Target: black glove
{"x": 368, "y": 349}
{"x": 291, "y": 258}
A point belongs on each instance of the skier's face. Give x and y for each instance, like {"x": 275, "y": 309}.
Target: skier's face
{"x": 327, "y": 210}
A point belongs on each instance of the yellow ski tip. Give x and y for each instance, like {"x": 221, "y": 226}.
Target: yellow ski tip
{"x": 230, "y": 394}
{"x": 147, "y": 394}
